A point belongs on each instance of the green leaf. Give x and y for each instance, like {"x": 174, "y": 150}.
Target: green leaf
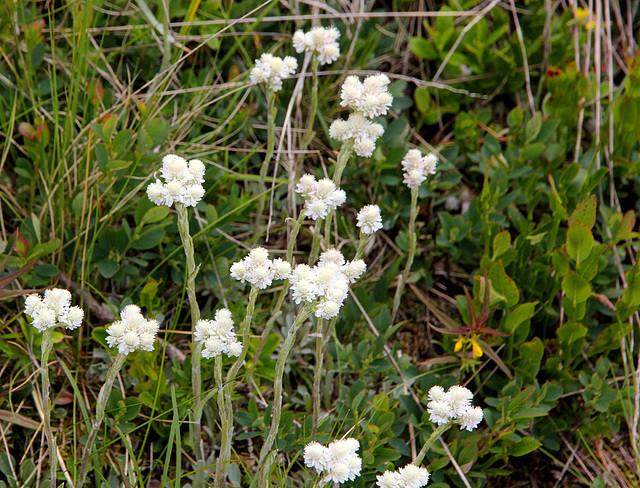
{"x": 423, "y": 48}
{"x": 109, "y": 125}
{"x": 518, "y": 316}
{"x": 121, "y": 140}
{"x": 532, "y": 151}
{"x": 108, "y": 268}
{"x": 532, "y": 128}
{"x": 503, "y": 284}
{"x": 524, "y": 446}
{"x": 154, "y": 214}
{"x": 117, "y": 164}
{"x": 501, "y": 244}
{"x": 571, "y": 332}
{"x": 576, "y": 288}
{"x": 148, "y": 240}
{"x": 585, "y": 212}
{"x": 99, "y": 334}
{"x": 579, "y": 241}
{"x": 468, "y": 454}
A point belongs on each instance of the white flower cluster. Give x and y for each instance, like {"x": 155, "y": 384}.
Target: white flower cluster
{"x": 371, "y": 97}
{"x": 322, "y": 41}
{"x": 455, "y": 404}
{"x": 133, "y": 332}
{"x": 183, "y": 182}
{"x": 411, "y": 476}
{"x": 218, "y": 335}
{"x": 320, "y": 197}
{"x": 369, "y": 219}
{"x": 259, "y": 270}
{"x": 416, "y": 167}
{"x": 271, "y": 70}
{"x": 358, "y": 129}
{"x": 338, "y": 461}
{"x": 54, "y": 309}
{"x": 327, "y": 281}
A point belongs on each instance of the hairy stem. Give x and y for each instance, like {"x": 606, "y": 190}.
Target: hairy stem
{"x": 276, "y": 411}
{"x": 314, "y": 104}
{"x": 427, "y": 445}
{"x": 402, "y": 278}
{"x": 271, "y": 141}
{"x": 45, "y": 349}
{"x": 196, "y": 377}
{"x": 321, "y": 348}
{"x": 101, "y": 405}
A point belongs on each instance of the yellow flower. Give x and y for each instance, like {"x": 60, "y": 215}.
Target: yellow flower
{"x": 458, "y": 345}
{"x": 475, "y": 347}
{"x": 581, "y": 13}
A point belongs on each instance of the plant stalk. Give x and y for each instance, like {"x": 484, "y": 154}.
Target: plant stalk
{"x": 271, "y": 141}
{"x": 427, "y": 445}
{"x": 45, "y": 350}
{"x": 402, "y": 278}
{"x": 276, "y": 411}
{"x": 321, "y": 348}
{"x": 101, "y": 406}
{"x": 314, "y": 104}
{"x": 196, "y": 376}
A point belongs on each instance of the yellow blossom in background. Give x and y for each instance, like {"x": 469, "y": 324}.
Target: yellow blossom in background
{"x": 583, "y": 14}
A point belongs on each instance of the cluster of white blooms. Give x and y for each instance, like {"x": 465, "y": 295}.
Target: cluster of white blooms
{"x": 271, "y": 70}
{"x": 338, "y": 462}
{"x": 455, "y": 404}
{"x": 411, "y": 476}
{"x": 358, "y": 129}
{"x": 54, "y": 309}
{"x": 416, "y": 167}
{"x": 320, "y": 197}
{"x": 371, "y": 97}
{"x": 218, "y": 335}
{"x": 322, "y": 41}
{"x": 183, "y": 182}
{"x": 133, "y": 332}
{"x": 327, "y": 281}
{"x": 259, "y": 270}
{"x": 369, "y": 219}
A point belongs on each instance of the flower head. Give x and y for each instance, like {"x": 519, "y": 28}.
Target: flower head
{"x": 183, "y": 182}
{"x": 259, "y": 270}
{"x": 338, "y": 462}
{"x": 369, "y": 219}
{"x": 321, "y": 41}
{"x": 410, "y": 476}
{"x": 133, "y": 332}
{"x": 271, "y": 70}
{"x": 416, "y": 167}
{"x": 54, "y": 309}
{"x": 454, "y": 405}
{"x": 320, "y": 197}
{"x": 358, "y": 129}
{"x": 218, "y": 335}
{"x": 370, "y": 98}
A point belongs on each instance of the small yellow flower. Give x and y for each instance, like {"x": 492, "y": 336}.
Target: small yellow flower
{"x": 459, "y": 343}
{"x": 475, "y": 347}
{"x": 581, "y": 13}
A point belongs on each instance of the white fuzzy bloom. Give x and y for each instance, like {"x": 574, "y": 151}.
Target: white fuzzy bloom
{"x": 358, "y": 129}
{"x": 416, "y": 167}
{"x": 327, "y": 309}
{"x": 471, "y": 418}
{"x": 390, "y": 479}
{"x": 413, "y": 476}
{"x": 339, "y": 462}
{"x": 332, "y": 256}
{"x": 133, "y": 332}
{"x": 218, "y": 336}
{"x": 454, "y": 405}
{"x": 370, "y": 98}
{"x": 321, "y": 197}
{"x": 321, "y": 41}
{"x": 354, "y": 269}
{"x": 183, "y": 182}
{"x": 369, "y": 219}
{"x": 271, "y": 70}
{"x": 258, "y": 269}
{"x": 54, "y": 309}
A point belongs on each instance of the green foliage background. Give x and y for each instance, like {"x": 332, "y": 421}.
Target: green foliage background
{"x": 527, "y": 236}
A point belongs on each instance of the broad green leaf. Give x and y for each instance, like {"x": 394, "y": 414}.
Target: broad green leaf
{"x": 532, "y": 151}
{"x": 518, "y": 316}
{"x": 532, "y": 128}
{"x": 585, "y": 212}
{"x": 579, "y": 241}
{"x": 422, "y": 48}
{"x": 501, "y": 244}
{"x": 155, "y": 214}
{"x": 108, "y": 268}
{"x": 524, "y": 446}
{"x": 576, "y": 288}
{"x": 121, "y": 140}
{"x": 571, "y": 332}
{"x": 503, "y": 284}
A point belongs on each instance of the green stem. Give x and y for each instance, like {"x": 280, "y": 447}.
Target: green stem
{"x": 225, "y": 406}
{"x": 427, "y": 445}
{"x": 341, "y": 162}
{"x": 276, "y": 411}
{"x": 196, "y": 376}
{"x": 402, "y": 278}
{"x": 45, "y": 350}
{"x": 362, "y": 243}
{"x": 314, "y": 104}
{"x": 315, "y": 243}
{"x": 321, "y": 349}
{"x": 271, "y": 141}
{"x": 101, "y": 405}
